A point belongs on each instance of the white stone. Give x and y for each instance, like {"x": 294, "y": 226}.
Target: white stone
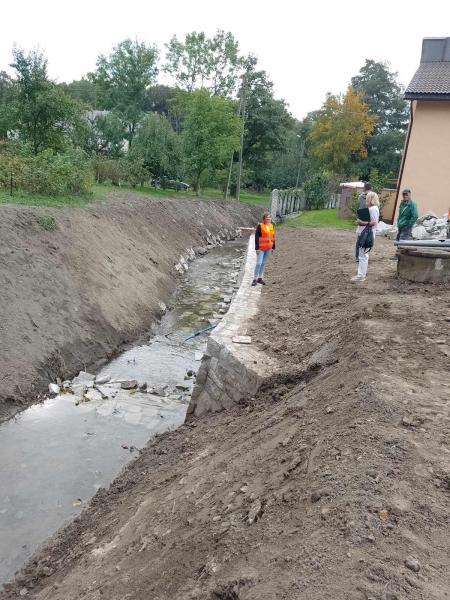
{"x": 420, "y": 233}
{"x": 85, "y": 378}
{"x": 241, "y": 339}
{"x": 53, "y": 388}
{"x": 103, "y": 379}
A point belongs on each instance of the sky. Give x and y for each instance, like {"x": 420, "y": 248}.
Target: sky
{"x": 308, "y": 48}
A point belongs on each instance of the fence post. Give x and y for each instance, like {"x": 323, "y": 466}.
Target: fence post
{"x": 274, "y": 198}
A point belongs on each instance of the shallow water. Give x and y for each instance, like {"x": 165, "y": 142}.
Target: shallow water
{"x": 54, "y": 456}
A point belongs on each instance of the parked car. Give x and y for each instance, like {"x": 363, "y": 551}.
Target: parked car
{"x": 168, "y": 183}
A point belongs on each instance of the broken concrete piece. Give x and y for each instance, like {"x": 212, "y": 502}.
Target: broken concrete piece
{"x": 53, "y": 388}
{"x": 83, "y": 377}
{"x": 241, "y": 339}
{"x": 129, "y": 385}
{"x": 102, "y": 380}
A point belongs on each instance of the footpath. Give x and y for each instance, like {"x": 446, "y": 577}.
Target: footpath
{"x": 331, "y": 483}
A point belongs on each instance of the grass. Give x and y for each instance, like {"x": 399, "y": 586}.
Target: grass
{"x": 20, "y": 197}
{"x": 101, "y": 191}
{"x": 326, "y": 217}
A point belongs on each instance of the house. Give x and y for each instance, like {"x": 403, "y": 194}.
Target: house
{"x": 425, "y": 167}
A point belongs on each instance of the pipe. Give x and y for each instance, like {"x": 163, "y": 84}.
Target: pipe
{"x": 424, "y": 243}
{"x": 200, "y": 332}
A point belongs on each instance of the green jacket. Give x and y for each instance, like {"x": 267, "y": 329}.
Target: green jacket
{"x": 407, "y": 214}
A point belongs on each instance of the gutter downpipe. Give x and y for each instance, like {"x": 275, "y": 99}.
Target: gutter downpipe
{"x": 408, "y": 135}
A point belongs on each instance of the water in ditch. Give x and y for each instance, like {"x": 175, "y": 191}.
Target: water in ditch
{"x": 54, "y": 456}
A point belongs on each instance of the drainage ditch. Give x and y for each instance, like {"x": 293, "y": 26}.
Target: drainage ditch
{"x": 56, "y": 455}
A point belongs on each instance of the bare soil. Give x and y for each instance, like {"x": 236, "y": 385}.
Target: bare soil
{"x": 71, "y": 297}
{"x": 333, "y": 483}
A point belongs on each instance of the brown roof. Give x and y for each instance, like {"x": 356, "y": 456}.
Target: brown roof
{"x": 431, "y": 79}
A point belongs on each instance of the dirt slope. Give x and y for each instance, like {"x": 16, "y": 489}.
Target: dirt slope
{"x": 320, "y": 488}
{"x": 72, "y": 296}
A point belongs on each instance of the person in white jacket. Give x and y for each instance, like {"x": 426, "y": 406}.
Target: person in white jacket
{"x": 373, "y": 203}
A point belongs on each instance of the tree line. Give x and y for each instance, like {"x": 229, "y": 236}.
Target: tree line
{"x": 120, "y": 124}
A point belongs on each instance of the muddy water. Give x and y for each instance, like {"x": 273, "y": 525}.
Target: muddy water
{"x": 56, "y": 455}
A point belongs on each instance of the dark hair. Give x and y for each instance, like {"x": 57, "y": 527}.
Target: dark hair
{"x": 406, "y": 191}
{"x": 367, "y": 186}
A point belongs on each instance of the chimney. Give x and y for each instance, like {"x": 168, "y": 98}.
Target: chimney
{"x": 435, "y": 50}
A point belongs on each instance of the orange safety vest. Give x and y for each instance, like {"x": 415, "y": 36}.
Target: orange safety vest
{"x": 267, "y": 237}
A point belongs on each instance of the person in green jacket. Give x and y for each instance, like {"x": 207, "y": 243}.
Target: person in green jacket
{"x": 407, "y": 216}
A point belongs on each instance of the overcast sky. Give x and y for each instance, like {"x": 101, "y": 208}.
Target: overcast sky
{"x": 308, "y": 48}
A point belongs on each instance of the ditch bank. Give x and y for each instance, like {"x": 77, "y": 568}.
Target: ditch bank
{"x": 78, "y": 284}
{"x": 232, "y": 367}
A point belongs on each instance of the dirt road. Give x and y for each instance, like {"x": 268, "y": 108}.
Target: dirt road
{"x": 73, "y": 295}
{"x": 333, "y": 483}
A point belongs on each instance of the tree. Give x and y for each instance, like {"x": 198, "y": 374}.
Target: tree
{"x": 211, "y": 133}
{"x": 6, "y": 91}
{"x": 338, "y": 136}
{"x": 267, "y": 126}
{"x": 122, "y": 79}
{"x": 157, "y": 99}
{"x": 82, "y": 90}
{"x": 223, "y": 63}
{"x": 105, "y": 134}
{"x": 187, "y": 60}
{"x": 41, "y": 113}
{"x": 213, "y": 63}
{"x": 384, "y": 97}
{"x": 158, "y": 146}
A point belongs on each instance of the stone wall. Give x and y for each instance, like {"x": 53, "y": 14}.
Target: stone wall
{"x": 424, "y": 265}
{"x": 232, "y": 367}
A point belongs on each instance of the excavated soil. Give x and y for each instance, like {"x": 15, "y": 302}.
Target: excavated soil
{"x": 72, "y": 296}
{"x": 333, "y": 483}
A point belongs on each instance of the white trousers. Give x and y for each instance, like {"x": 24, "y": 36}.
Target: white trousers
{"x": 363, "y": 263}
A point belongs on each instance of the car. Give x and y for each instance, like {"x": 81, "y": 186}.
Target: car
{"x": 169, "y": 183}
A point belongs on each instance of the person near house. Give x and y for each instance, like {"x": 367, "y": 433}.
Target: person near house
{"x": 362, "y": 204}
{"x": 363, "y": 195}
{"x": 264, "y": 246}
{"x": 373, "y": 203}
{"x": 407, "y": 216}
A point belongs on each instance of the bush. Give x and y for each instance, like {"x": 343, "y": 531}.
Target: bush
{"x": 122, "y": 171}
{"x": 316, "y": 190}
{"x": 107, "y": 169}
{"x": 46, "y": 173}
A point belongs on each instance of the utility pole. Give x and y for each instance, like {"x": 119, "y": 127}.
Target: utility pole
{"x": 230, "y": 168}
{"x": 243, "y": 98}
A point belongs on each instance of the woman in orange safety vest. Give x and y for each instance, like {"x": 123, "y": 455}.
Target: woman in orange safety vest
{"x": 264, "y": 245}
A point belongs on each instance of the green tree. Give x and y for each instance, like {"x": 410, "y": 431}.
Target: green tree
{"x": 199, "y": 61}
{"x": 82, "y": 90}
{"x": 338, "y": 136}
{"x": 40, "y": 112}
{"x": 384, "y": 96}
{"x": 158, "y": 97}
{"x": 122, "y": 79}
{"x": 267, "y": 127}
{"x": 105, "y": 134}
{"x": 158, "y": 146}
{"x": 211, "y": 132}
{"x": 6, "y": 92}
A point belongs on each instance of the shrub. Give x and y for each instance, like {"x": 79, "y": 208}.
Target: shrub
{"x": 122, "y": 171}
{"x": 316, "y": 191}
{"x": 47, "y": 173}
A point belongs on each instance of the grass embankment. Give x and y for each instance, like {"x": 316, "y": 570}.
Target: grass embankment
{"x": 326, "y": 217}
{"x": 100, "y": 192}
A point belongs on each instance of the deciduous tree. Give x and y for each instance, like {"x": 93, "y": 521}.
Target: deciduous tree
{"x": 122, "y": 79}
{"x": 211, "y": 131}
{"x": 340, "y": 132}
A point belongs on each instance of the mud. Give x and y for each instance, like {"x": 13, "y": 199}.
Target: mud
{"x": 73, "y": 296}
{"x": 332, "y": 483}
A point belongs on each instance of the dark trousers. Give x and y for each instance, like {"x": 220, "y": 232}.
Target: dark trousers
{"x": 404, "y": 233}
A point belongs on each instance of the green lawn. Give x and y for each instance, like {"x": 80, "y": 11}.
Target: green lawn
{"x": 326, "y": 217}
{"x": 100, "y": 192}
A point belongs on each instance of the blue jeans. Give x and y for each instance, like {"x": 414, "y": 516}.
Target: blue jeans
{"x": 261, "y": 258}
